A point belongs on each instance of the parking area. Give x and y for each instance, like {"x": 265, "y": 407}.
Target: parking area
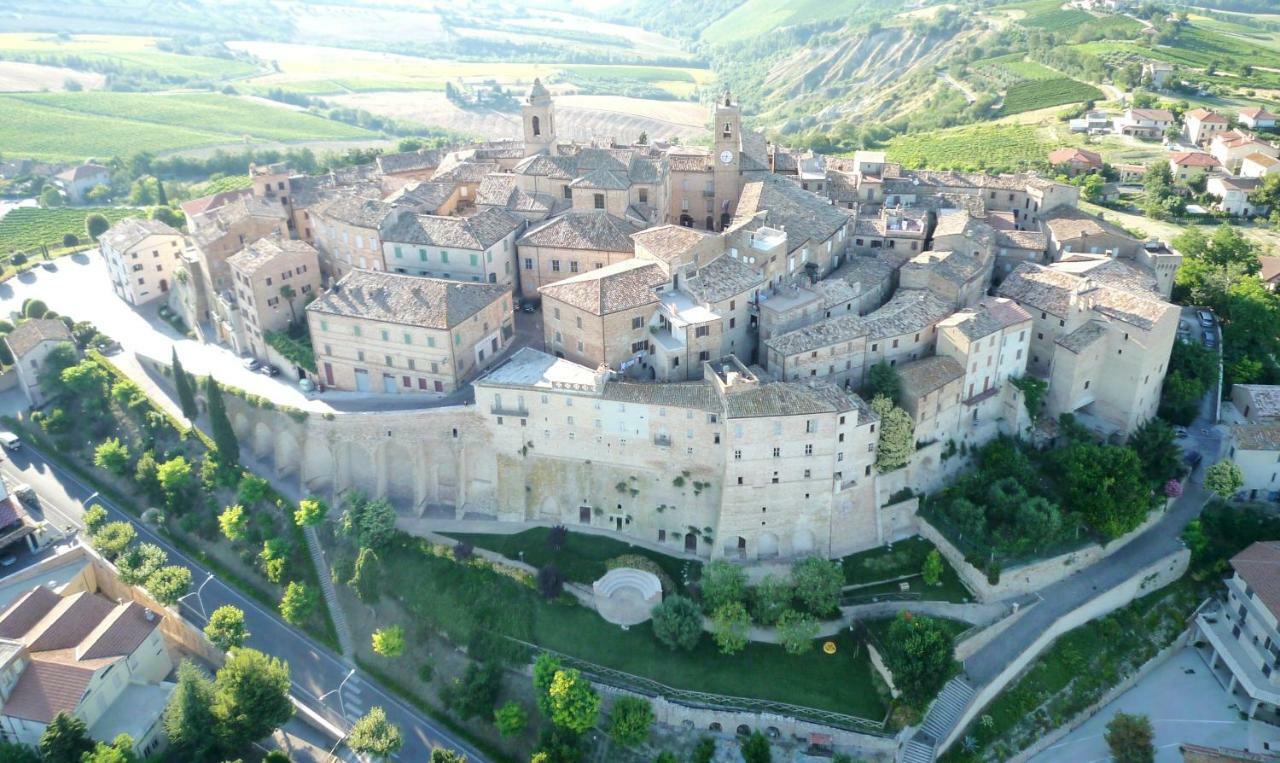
{"x": 1185, "y": 704}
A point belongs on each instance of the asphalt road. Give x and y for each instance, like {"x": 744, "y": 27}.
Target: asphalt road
{"x": 315, "y": 670}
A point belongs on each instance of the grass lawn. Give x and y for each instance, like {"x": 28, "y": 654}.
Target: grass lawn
{"x": 466, "y": 602}
{"x": 73, "y": 126}
{"x": 27, "y": 228}
{"x": 906, "y": 558}
{"x": 582, "y": 560}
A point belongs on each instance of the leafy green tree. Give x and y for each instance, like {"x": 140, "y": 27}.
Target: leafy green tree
{"x": 575, "y": 705}
{"x": 474, "y": 694}
{"x": 796, "y": 631}
{"x": 224, "y": 437}
{"x": 274, "y": 557}
{"x": 174, "y": 476}
{"x": 94, "y": 518}
{"x": 371, "y": 523}
{"x": 756, "y": 749}
{"x": 511, "y": 719}
{"x": 545, "y": 668}
{"x": 112, "y": 455}
{"x": 1104, "y": 483}
{"x": 119, "y": 750}
{"x": 1033, "y": 392}
{"x": 311, "y": 512}
{"x": 1155, "y": 443}
{"x": 932, "y": 568}
{"x": 226, "y": 628}
{"x": 722, "y": 583}
{"x": 60, "y": 358}
{"x": 252, "y": 489}
{"x": 15, "y": 752}
{"x": 883, "y": 381}
{"x": 729, "y": 627}
{"x": 146, "y": 474}
{"x": 919, "y": 653}
{"x": 1131, "y": 738}
{"x": 251, "y": 697}
{"x": 1093, "y": 188}
{"x": 897, "y": 442}
{"x": 65, "y": 739}
{"x": 182, "y": 384}
{"x": 770, "y": 598}
{"x": 234, "y": 523}
{"x": 366, "y": 576}
{"x": 389, "y": 641}
{"x": 817, "y": 584}
{"x": 677, "y": 622}
{"x": 1224, "y": 478}
{"x": 36, "y": 308}
{"x": 276, "y": 756}
{"x": 298, "y": 602}
{"x": 630, "y": 721}
{"x": 168, "y": 584}
{"x": 441, "y": 755}
{"x": 51, "y": 198}
{"x": 137, "y": 564}
{"x": 96, "y": 224}
{"x": 113, "y": 538}
{"x": 704, "y": 751}
{"x": 87, "y": 381}
{"x": 374, "y": 735}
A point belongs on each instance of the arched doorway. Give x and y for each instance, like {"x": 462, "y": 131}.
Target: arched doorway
{"x": 767, "y": 546}
{"x": 691, "y": 543}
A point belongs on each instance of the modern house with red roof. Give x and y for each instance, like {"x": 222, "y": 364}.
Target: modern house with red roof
{"x": 1237, "y": 635}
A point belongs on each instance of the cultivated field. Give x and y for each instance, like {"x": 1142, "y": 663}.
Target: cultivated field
{"x": 16, "y": 77}
{"x": 1003, "y": 146}
{"x": 125, "y": 51}
{"x": 28, "y": 228}
{"x": 756, "y": 17}
{"x": 1030, "y": 95}
{"x": 581, "y": 117}
{"x": 73, "y": 126}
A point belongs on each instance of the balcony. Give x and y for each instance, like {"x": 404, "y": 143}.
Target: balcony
{"x": 508, "y": 410}
{"x": 708, "y": 193}
{"x": 1242, "y": 658}
{"x": 662, "y": 440}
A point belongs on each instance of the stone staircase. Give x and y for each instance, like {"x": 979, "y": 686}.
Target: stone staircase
{"x": 938, "y": 722}
{"x": 330, "y": 595}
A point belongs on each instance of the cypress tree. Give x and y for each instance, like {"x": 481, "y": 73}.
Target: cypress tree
{"x": 897, "y": 435}
{"x": 186, "y": 395}
{"x": 161, "y": 197}
{"x": 224, "y": 437}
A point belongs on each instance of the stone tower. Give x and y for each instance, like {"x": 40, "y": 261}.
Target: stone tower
{"x": 725, "y": 158}
{"x": 539, "y": 115}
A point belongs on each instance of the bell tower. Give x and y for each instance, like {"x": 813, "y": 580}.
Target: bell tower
{"x": 726, "y": 159}
{"x": 539, "y": 115}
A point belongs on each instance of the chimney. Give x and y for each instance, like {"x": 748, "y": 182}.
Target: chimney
{"x": 151, "y": 616}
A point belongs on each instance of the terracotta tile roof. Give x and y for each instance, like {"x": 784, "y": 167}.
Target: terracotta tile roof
{"x": 1193, "y": 159}
{"x": 592, "y": 230}
{"x": 1080, "y": 339}
{"x": 28, "y": 335}
{"x": 921, "y": 377}
{"x": 84, "y": 171}
{"x": 668, "y": 242}
{"x": 1256, "y": 113}
{"x": 1068, "y": 223}
{"x": 1256, "y": 436}
{"x": 621, "y": 286}
{"x": 793, "y": 399}
{"x": 132, "y": 231}
{"x": 1152, "y": 115}
{"x": 207, "y": 203}
{"x": 1262, "y": 159}
{"x": 1204, "y": 115}
{"x": 121, "y": 634}
{"x": 804, "y": 215}
{"x": 722, "y": 278}
{"x": 1070, "y": 154}
{"x": 29, "y": 609}
{"x": 1259, "y": 567}
{"x": 46, "y": 688}
{"x": 406, "y": 300}
{"x": 1270, "y": 268}
{"x": 69, "y": 622}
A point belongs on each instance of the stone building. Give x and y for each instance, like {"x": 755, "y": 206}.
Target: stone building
{"x": 260, "y": 274}
{"x": 603, "y": 316}
{"x": 479, "y": 248}
{"x": 572, "y": 243}
{"x": 30, "y": 343}
{"x": 391, "y": 333}
{"x": 141, "y": 256}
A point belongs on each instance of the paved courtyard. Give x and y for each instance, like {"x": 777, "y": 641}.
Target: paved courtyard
{"x": 1183, "y": 707}
{"x": 79, "y": 287}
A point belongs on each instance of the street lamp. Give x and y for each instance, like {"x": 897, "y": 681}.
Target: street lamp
{"x": 199, "y": 599}
{"x": 342, "y": 708}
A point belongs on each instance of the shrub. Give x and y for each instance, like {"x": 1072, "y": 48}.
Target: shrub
{"x": 389, "y": 641}
{"x": 112, "y": 455}
{"x": 251, "y": 490}
{"x": 722, "y": 583}
{"x": 575, "y": 705}
{"x": 170, "y": 583}
{"x": 770, "y": 598}
{"x": 140, "y": 562}
{"x": 797, "y": 631}
{"x": 311, "y": 512}
{"x": 677, "y": 623}
{"x": 234, "y": 523}
{"x": 756, "y": 749}
{"x": 550, "y": 581}
{"x": 474, "y": 693}
{"x": 113, "y": 538}
{"x": 931, "y": 571}
{"x": 226, "y": 628}
{"x": 94, "y": 518}
{"x": 729, "y": 626}
{"x": 298, "y": 602}
{"x": 510, "y": 719}
{"x": 630, "y": 721}
{"x": 818, "y": 582}
{"x": 557, "y": 536}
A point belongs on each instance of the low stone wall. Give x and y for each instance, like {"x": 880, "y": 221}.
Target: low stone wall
{"x": 877, "y": 662}
{"x": 1033, "y": 576}
{"x": 1150, "y": 578}
{"x": 1058, "y": 734}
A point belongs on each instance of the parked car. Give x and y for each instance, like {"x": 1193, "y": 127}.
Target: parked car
{"x": 9, "y": 440}
{"x": 528, "y": 306}
{"x": 253, "y": 364}
{"x": 109, "y": 347}
{"x": 1210, "y": 340}
{"x": 1180, "y": 432}
{"x": 266, "y": 369}
{"x": 26, "y": 494}
{"x": 8, "y": 560}
{"x": 1193, "y": 459}
{"x": 1206, "y": 318}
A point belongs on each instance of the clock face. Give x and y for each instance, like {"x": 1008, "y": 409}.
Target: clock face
{"x": 726, "y": 156}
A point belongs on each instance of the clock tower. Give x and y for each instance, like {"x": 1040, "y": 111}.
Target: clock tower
{"x": 725, "y": 159}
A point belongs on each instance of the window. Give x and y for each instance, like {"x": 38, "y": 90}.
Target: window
{"x": 528, "y": 263}
{"x": 737, "y": 455}
{"x": 555, "y": 266}
{"x": 638, "y": 346}
{"x": 444, "y": 257}
{"x": 637, "y": 322}
{"x": 777, "y": 452}
{"x": 386, "y": 335}
{"x": 704, "y": 356}
{"x": 808, "y": 449}
{"x": 567, "y": 192}
{"x": 573, "y": 266}
{"x": 702, "y": 331}
{"x": 644, "y": 195}
{"x": 598, "y": 200}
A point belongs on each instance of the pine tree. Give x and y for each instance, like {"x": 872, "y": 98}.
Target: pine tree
{"x": 224, "y": 437}
{"x": 186, "y": 395}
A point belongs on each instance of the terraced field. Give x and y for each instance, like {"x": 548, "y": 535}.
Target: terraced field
{"x": 1030, "y": 95}
{"x": 74, "y": 126}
